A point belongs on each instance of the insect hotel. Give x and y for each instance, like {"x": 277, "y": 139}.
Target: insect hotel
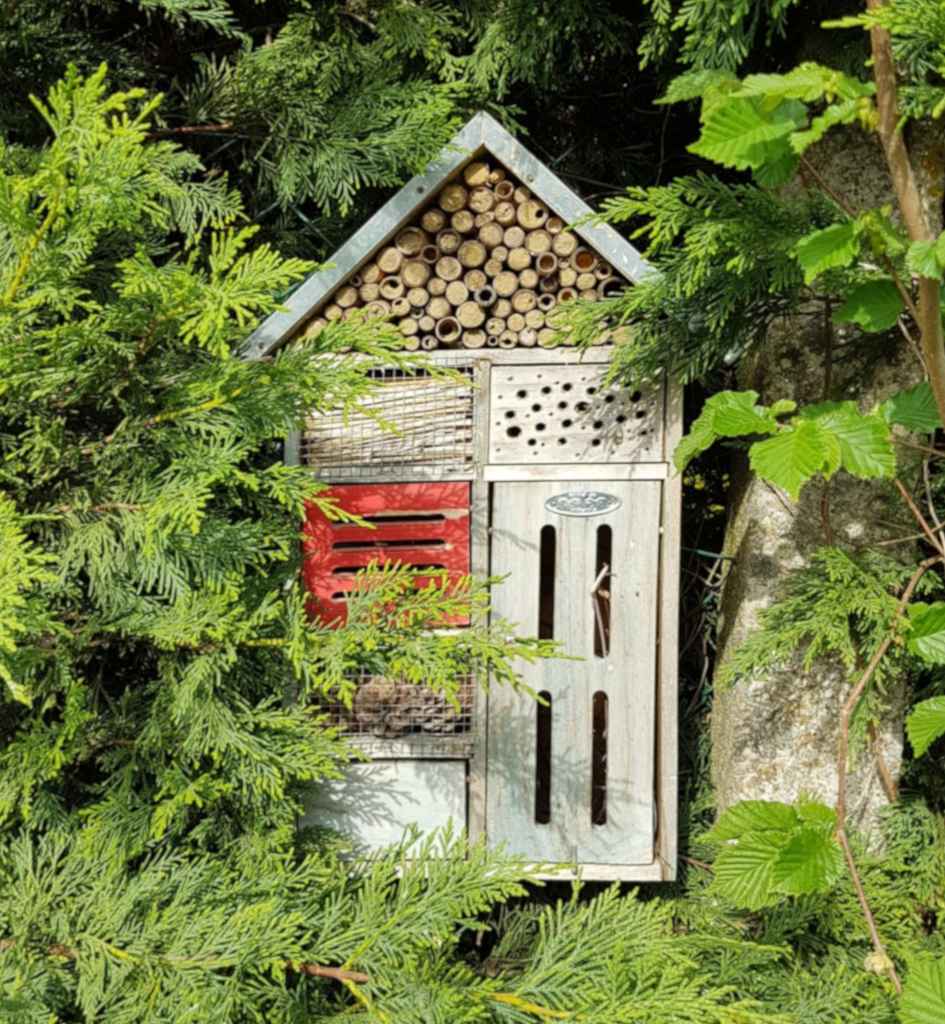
{"x": 539, "y": 471}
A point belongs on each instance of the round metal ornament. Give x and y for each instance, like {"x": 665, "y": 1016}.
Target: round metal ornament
{"x": 583, "y": 503}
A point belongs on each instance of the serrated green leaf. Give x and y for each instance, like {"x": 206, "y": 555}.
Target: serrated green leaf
{"x": 922, "y": 259}
{"x": 796, "y": 455}
{"x": 914, "y": 409}
{"x": 837, "y": 113}
{"x": 812, "y": 812}
{"x": 739, "y": 132}
{"x": 749, "y": 816}
{"x": 709, "y": 85}
{"x": 743, "y": 872}
{"x": 726, "y": 414}
{"x": 807, "y": 82}
{"x": 834, "y": 246}
{"x": 811, "y": 861}
{"x": 923, "y": 994}
{"x": 866, "y": 449}
{"x": 927, "y": 631}
{"x": 779, "y": 167}
{"x": 926, "y": 724}
{"x": 875, "y": 306}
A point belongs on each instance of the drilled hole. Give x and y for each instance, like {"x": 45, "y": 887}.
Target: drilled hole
{"x": 608, "y": 399}
{"x": 513, "y": 431}
{"x": 621, "y": 418}
{"x": 539, "y": 426}
{"x": 532, "y": 442}
{"x": 522, "y": 393}
{"x": 546, "y": 390}
{"x": 510, "y": 415}
{"x": 581, "y": 406}
{"x": 536, "y": 407}
{"x": 543, "y": 758}
{"x": 598, "y": 424}
{"x": 562, "y": 405}
{"x": 592, "y": 391}
{"x": 596, "y": 442}
{"x": 565, "y": 387}
{"x": 567, "y": 423}
{"x": 641, "y": 414}
{"x": 636, "y": 396}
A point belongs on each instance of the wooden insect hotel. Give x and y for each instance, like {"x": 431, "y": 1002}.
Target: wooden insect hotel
{"x": 540, "y": 471}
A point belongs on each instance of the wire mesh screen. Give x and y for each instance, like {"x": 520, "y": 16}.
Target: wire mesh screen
{"x": 391, "y": 709}
{"x": 410, "y": 419}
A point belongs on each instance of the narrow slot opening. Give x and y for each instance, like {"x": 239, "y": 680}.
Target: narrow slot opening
{"x": 543, "y": 758}
{"x": 599, "y": 760}
{"x": 546, "y": 584}
{"x": 345, "y": 570}
{"x": 369, "y": 545}
{"x": 391, "y": 518}
{"x": 600, "y": 595}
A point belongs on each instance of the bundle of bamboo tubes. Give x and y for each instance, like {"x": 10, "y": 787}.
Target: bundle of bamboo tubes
{"x": 485, "y": 264}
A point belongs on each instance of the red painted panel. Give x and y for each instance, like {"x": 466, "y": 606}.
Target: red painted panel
{"x": 420, "y": 524}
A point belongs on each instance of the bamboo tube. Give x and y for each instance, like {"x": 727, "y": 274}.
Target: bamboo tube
{"x": 516, "y": 322}
{"x": 428, "y": 342}
{"x": 486, "y": 217}
{"x": 528, "y": 278}
{"x": 564, "y": 244}
{"x": 481, "y": 199}
{"x": 519, "y": 259}
{"x": 471, "y": 314}
{"x": 554, "y": 225}
{"x": 504, "y": 190}
{"x": 356, "y": 280}
{"x": 427, "y": 323}
{"x": 583, "y": 260}
{"x": 588, "y": 293}
{"x": 485, "y": 296}
{"x": 603, "y": 270}
{"x": 392, "y": 287}
{"x": 411, "y": 343}
{"x": 315, "y": 326}
{"x": 585, "y": 281}
{"x": 493, "y": 267}
{"x": 429, "y": 254}
{"x": 452, "y": 198}
{"x": 449, "y": 268}
{"x": 332, "y": 312}
{"x": 502, "y": 308}
{"x": 408, "y": 326}
{"x": 514, "y": 236}
{"x": 436, "y": 286}
{"x": 496, "y": 175}
{"x": 491, "y": 235}
{"x": 505, "y": 213}
{"x": 346, "y": 296}
{"x": 399, "y": 307}
{"x": 610, "y": 287}
{"x": 476, "y": 173}
{"x": 463, "y": 221}
{"x": 505, "y": 284}
{"x": 549, "y": 283}
{"x": 371, "y": 273}
{"x": 410, "y": 241}
{"x": 472, "y": 253}
{"x": 369, "y": 292}
{"x": 492, "y": 341}
{"x": 528, "y": 338}
{"x": 567, "y": 276}
{"x": 566, "y": 295}
{"x": 474, "y": 339}
{"x": 390, "y": 260}
{"x": 495, "y": 325}
{"x": 448, "y": 241}
{"x": 378, "y": 308}
{"x": 534, "y": 318}
{"x": 547, "y": 302}
{"x": 538, "y": 241}
{"x": 439, "y": 307}
{"x": 524, "y": 300}
{"x": 522, "y": 193}
{"x": 475, "y": 278}
{"x": 546, "y": 337}
{"x": 456, "y": 293}
{"x": 531, "y": 214}
{"x": 418, "y": 297}
{"x": 433, "y": 220}
{"x": 415, "y": 273}
{"x": 448, "y": 329}
{"x": 500, "y": 252}
{"x": 508, "y": 340}
{"x": 546, "y": 263}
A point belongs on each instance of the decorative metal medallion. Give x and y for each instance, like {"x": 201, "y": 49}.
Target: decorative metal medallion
{"x": 583, "y": 503}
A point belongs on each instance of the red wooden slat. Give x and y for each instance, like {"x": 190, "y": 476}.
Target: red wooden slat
{"x": 322, "y": 557}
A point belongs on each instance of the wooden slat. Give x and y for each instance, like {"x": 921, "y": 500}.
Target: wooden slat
{"x": 611, "y": 471}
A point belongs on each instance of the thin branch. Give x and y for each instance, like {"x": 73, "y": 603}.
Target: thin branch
{"x": 920, "y": 519}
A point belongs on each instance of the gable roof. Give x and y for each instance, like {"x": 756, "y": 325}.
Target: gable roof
{"x": 481, "y": 134}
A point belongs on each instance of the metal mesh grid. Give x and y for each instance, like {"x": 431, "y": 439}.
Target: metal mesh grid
{"x": 432, "y": 419}
{"x": 389, "y": 709}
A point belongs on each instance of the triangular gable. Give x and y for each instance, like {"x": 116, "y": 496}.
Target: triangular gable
{"x": 482, "y": 138}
